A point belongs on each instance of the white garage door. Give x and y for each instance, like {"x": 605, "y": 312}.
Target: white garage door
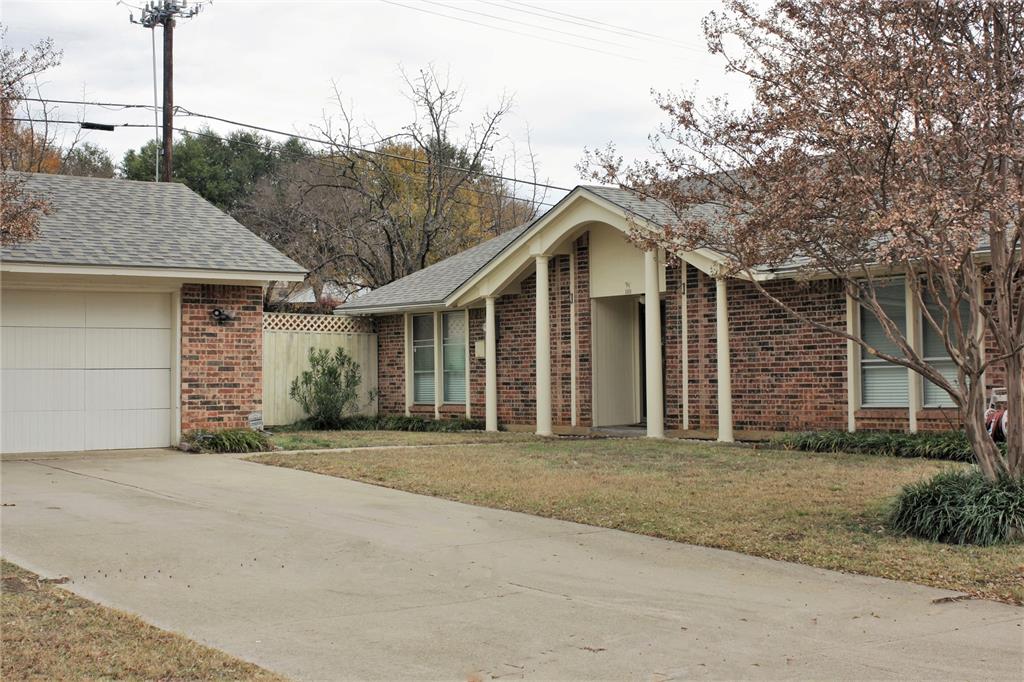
{"x": 84, "y": 370}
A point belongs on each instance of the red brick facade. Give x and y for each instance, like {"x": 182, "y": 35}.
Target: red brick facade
{"x": 786, "y": 375}
{"x": 221, "y": 365}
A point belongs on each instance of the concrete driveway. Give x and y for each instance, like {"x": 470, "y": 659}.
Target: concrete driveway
{"x": 321, "y": 579}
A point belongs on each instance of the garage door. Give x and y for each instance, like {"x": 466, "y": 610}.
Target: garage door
{"x": 84, "y": 370}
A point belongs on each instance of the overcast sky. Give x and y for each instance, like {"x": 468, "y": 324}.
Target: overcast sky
{"x": 272, "y": 64}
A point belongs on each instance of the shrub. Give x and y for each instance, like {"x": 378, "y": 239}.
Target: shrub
{"x": 329, "y": 390}
{"x": 961, "y": 508}
{"x": 947, "y": 445}
{"x": 397, "y": 423}
{"x": 227, "y": 440}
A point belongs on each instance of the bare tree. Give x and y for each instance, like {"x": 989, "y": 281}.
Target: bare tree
{"x": 374, "y": 208}
{"x": 884, "y": 139}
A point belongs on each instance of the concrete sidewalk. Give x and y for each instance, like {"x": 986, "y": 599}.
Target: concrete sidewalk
{"x": 322, "y": 579}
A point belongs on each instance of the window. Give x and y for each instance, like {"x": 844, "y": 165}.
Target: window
{"x": 884, "y": 384}
{"x": 934, "y": 350}
{"x": 423, "y": 359}
{"x": 454, "y": 356}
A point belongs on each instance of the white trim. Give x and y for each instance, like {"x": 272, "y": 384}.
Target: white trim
{"x": 176, "y": 367}
{"x": 198, "y": 276}
{"x": 853, "y": 377}
{"x": 573, "y": 341}
{"x": 915, "y": 389}
{"x": 684, "y": 344}
{"x": 542, "y": 334}
{"x": 724, "y": 371}
{"x": 652, "y": 347}
{"x": 490, "y": 360}
{"x": 438, "y": 365}
{"x": 468, "y": 366}
{"x": 409, "y": 378}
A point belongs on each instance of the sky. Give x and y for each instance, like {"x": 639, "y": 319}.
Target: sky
{"x": 576, "y": 83}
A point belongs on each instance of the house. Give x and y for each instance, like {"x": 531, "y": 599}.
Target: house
{"x": 134, "y": 316}
{"x": 565, "y": 325}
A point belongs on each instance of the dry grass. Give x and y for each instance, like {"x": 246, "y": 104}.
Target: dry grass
{"x": 51, "y": 634}
{"x": 819, "y": 509}
{"x": 312, "y": 440}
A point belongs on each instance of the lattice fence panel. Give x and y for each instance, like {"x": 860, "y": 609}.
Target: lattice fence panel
{"x": 327, "y": 324}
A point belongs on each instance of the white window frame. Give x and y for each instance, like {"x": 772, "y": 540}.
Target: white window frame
{"x": 866, "y": 360}
{"x": 423, "y": 343}
{"x": 463, "y": 339}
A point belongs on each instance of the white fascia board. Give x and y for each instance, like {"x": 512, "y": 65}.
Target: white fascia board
{"x": 192, "y": 275}
{"x": 392, "y": 310}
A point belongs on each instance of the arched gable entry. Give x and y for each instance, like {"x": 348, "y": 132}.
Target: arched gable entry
{"x": 621, "y": 275}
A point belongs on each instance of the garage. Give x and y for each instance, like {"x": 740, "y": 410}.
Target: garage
{"x": 85, "y": 370}
{"x": 133, "y": 315}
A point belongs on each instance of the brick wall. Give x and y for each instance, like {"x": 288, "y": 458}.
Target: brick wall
{"x": 221, "y": 365}
{"x": 786, "y": 375}
{"x": 391, "y": 365}
{"x": 516, "y": 354}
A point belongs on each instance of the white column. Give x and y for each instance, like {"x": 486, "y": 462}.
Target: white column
{"x": 852, "y": 364}
{"x": 543, "y": 350}
{"x": 438, "y": 367}
{"x": 573, "y": 351}
{"x": 684, "y": 327}
{"x": 652, "y": 350}
{"x": 724, "y": 368}
{"x": 409, "y": 398}
{"x": 491, "y": 355}
{"x": 914, "y": 386}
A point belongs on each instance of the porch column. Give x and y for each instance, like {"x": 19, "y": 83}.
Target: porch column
{"x": 652, "y": 343}
{"x": 724, "y": 367}
{"x": 543, "y": 349}
{"x": 491, "y": 352}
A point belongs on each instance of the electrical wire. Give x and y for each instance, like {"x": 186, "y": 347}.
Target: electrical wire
{"x": 510, "y": 30}
{"x": 304, "y": 138}
{"x": 527, "y": 24}
{"x": 607, "y": 25}
{"x": 364, "y": 150}
{"x": 108, "y": 105}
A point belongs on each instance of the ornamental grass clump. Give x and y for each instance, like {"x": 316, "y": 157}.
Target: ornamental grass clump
{"x": 226, "y": 440}
{"x": 961, "y": 508}
{"x": 947, "y": 445}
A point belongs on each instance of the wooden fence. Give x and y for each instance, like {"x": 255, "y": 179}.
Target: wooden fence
{"x": 287, "y": 338}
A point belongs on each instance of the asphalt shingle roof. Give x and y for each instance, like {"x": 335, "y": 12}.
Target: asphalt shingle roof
{"x": 436, "y": 282}
{"x": 99, "y": 221}
{"x": 432, "y": 285}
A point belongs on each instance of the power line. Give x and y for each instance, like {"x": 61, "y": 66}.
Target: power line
{"x": 510, "y": 30}
{"x": 608, "y": 25}
{"x": 305, "y": 138}
{"x": 527, "y": 24}
{"x": 108, "y": 105}
{"x": 354, "y": 148}
{"x": 594, "y": 25}
{"x": 296, "y": 156}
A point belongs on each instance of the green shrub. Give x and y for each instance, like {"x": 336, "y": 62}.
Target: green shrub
{"x": 396, "y": 423}
{"x": 961, "y": 508}
{"x": 329, "y": 390}
{"x": 947, "y": 445}
{"x": 227, "y": 440}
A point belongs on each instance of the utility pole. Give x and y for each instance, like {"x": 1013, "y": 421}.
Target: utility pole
{"x": 164, "y": 13}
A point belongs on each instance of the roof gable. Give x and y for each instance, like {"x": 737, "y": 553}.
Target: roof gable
{"x": 128, "y": 223}
{"x": 434, "y": 283}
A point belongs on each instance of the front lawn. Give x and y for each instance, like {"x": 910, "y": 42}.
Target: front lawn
{"x": 826, "y": 510}
{"x": 312, "y": 440}
{"x": 50, "y": 634}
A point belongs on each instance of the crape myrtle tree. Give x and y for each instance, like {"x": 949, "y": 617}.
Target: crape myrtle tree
{"x": 884, "y": 139}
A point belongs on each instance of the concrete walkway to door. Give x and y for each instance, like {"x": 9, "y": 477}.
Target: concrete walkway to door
{"x": 322, "y": 579}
